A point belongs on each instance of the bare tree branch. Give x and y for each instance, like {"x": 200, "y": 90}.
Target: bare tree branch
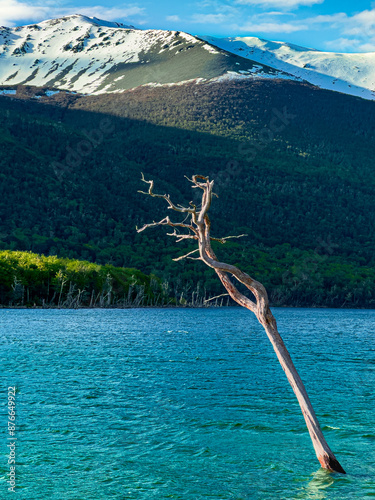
{"x": 217, "y": 297}
{"x": 181, "y": 237}
{"x": 187, "y": 256}
{"x": 223, "y": 240}
{"x": 167, "y": 222}
{"x": 153, "y": 224}
{"x": 165, "y": 197}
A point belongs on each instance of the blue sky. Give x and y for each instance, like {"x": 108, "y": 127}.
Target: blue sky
{"x": 328, "y": 25}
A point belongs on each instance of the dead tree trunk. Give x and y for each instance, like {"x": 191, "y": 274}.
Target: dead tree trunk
{"x": 198, "y": 227}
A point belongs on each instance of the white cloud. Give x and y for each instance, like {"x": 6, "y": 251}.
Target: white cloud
{"x": 218, "y": 13}
{"x": 342, "y": 44}
{"x": 334, "y": 20}
{"x": 267, "y": 23}
{"x": 361, "y": 23}
{"x": 367, "y": 47}
{"x": 13, "y": 12}
{"x": 174, "y": 19}
{"x": 282, "y": 4}
{"x": 360, "y": 26}
{"x": 351, "y": 45}
{"x": 214, "y": 7}
{"x": 209, "y": 18}
{"x": 106, "y": 14}
{"x": 272, "y": 27}
{"x": 277, "y": 13}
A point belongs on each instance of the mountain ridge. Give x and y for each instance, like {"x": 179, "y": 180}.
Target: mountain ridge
{"x": 91, "y": 56}
{"x": 80, "y": 54}
{"x": 330, "y": 70}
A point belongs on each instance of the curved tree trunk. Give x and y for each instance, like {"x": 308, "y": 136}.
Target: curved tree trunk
{"x": 199, "y": 228}
{"x": 265, "y": 317}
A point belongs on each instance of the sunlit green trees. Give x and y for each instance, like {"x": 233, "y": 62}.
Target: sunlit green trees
{"x": 29, "y": 279}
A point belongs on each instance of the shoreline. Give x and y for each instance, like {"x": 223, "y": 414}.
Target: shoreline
{"x": 2, "y": 307}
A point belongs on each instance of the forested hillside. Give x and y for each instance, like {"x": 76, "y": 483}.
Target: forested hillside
{"x": 293, "y": 167}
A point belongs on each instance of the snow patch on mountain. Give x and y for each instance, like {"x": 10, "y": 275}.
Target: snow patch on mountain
{"x": 79, "y": 18}
{"x": 352, "y": 74}
{"x": 254, "y": 73}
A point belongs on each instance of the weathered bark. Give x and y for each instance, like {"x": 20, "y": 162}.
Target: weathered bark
{"x": 323, "y": 452}
{"x": 199, "y": 229}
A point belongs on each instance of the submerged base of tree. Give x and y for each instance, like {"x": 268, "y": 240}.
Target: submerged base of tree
{"x": 331, "y": 464}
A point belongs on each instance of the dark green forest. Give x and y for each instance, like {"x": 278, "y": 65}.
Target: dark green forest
{"x": 293, "y": 167}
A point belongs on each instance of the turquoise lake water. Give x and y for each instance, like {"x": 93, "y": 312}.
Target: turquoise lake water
{"x": 185, "y": 404}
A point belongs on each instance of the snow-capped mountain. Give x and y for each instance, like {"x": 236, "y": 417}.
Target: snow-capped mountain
{"x": 91, "y": 56}
{"x": 347, "y": 73}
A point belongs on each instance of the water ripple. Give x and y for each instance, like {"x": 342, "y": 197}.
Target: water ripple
{"x": 186, "y": 404}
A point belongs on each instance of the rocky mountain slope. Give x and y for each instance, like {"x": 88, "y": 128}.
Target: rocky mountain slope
{"x": 91, "y": 56}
